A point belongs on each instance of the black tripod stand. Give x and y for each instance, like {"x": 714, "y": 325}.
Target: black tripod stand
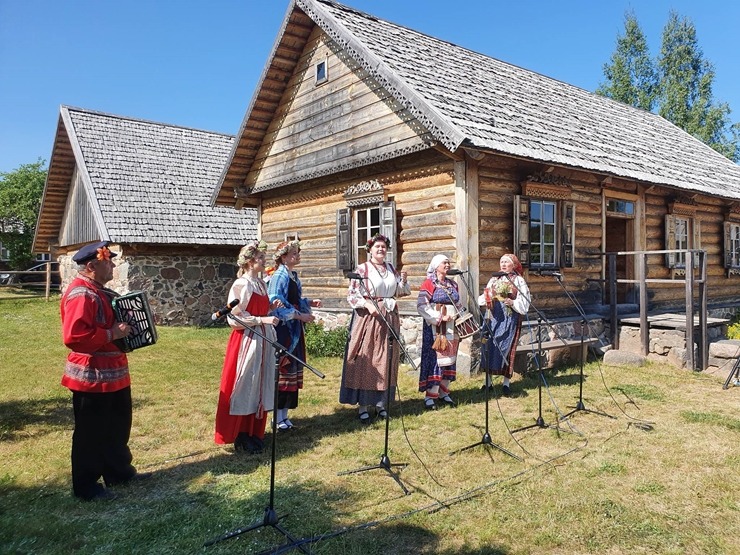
{"x": 385, "y": 461}
{"x": 270, "y": 517}
{"x": 580, "y": 406}
{"x": 734, "y": 376}
{"x": 485, "y": 335}
{"x": 539, "y": 421}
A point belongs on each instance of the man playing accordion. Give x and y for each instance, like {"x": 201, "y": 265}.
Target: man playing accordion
{"x": 97, "y": 374}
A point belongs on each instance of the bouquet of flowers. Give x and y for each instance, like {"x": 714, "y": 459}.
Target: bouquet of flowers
{"x": 503, "y": 289}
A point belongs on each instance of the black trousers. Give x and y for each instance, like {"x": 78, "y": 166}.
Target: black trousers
{"x": 100, "y": 440}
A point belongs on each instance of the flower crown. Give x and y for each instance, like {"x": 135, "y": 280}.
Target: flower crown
{"x": 284, "y": 248}
{"x": 374, "y": 239}
{"x": 248, "y": 252}
{"x": 103, "y": 253}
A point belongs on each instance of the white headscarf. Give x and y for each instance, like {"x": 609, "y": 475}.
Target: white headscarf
{"x": 434, "y": 264}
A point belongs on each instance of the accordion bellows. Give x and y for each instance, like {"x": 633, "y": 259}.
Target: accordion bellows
{"x": 133, "y": 309}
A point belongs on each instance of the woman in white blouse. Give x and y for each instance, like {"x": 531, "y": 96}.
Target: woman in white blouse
{"x": 365, "y": 370}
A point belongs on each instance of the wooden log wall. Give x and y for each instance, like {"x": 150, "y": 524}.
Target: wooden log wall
{"x": 340, "y": 122}
{"x": 499, "y": 183}
{"x": 710, "y": 215}
{"x": 425, "y": 215}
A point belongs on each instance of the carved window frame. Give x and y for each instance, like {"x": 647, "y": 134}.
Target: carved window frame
{"x": 364, "y": 196}
{"x": 557, "y": 191}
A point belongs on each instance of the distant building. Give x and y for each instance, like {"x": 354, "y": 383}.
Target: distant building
{"x": 146, "y": 187}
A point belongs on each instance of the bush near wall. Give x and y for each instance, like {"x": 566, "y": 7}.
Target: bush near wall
{"x": 325, "y": 343}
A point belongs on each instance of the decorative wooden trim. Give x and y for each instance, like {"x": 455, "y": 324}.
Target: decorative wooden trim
{"x": 364, "y": 193}
{"x": 733, "y": 212}
{"x": 546, "y": 190}
{"x": 307, "y": 196}
{"x": 682, "y": 208}
{"x": 549, "y": 178}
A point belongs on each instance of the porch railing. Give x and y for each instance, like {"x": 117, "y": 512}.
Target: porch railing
{"x": 690, "y": 282}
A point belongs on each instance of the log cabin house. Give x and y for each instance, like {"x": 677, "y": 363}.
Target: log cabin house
{"x": 146, "y": 187}
{"x": 359, "y": 125}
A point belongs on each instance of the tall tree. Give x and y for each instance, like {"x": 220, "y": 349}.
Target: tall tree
{"x": 20, "y": 200}
{"x": 631, "y": 77}
{"x": 686, "y": 79}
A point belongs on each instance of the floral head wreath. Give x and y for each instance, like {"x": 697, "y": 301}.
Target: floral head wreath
{"x": 284, "y": 248}
{"x": 249, "y": 251}
{"x": 374, "y": 239}
{"x": 103, "y": 253}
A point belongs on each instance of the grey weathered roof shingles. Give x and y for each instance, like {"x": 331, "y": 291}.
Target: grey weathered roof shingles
{"x": 153, "y": 181}
{"x": 514, "y": 111}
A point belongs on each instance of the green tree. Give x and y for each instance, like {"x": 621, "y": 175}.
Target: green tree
{"x": 686, "y": 79}
{"x": 20, "y": 200}
{"x": 678, "y": 84}
{"x": 631, "y": 77}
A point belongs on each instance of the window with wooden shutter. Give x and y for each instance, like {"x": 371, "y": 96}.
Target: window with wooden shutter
{"x": 567, "y": 234}
{"x": 521, "y": 229}
{"x": 670, "y": 240}
{"x": 388, "y": 228}
{"x": 344, "y": 239}
{"x": 681, "y": 233}
{"x": 696, "y": 243}
{"x": 732, "y": 248}
{"x": 366, "y": 215}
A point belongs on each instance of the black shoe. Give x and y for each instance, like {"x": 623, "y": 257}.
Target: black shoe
{"x": 429, "y": 404}
{"x": 138, "y": 477}
{"x": 364, "y": 418}
{"x": 381, "y": 413}
{"x": 253, "y": 446}
{"x": 104, "y": 495}
{"x": 448, "y": 402}
{"x": 101, "y": 494}
{"x": 506, "y": 390}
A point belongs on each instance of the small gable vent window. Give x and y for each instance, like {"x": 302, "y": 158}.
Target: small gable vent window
{"x": 322, "y": 72}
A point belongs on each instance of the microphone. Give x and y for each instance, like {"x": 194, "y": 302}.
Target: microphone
{"x": 498, "y": 274}
{"x": 549, "y": 273}
{"x": 354, "y": 275}
{"x": 456, "y": 272}
{"x": 223, "y": 311}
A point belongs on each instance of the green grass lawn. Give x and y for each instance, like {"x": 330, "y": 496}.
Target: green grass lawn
{"x": 595, "y": 485}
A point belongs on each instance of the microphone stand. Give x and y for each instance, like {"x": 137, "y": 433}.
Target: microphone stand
{"x": 580, "y": 406}
{"x": 539, "y": 421}
{"x": 485, "y": 333}
{"x": 385, "y": 461}
{"x": 270, "y": 517}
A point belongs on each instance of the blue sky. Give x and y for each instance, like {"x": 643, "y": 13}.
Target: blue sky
{"x": 196, "y": 63}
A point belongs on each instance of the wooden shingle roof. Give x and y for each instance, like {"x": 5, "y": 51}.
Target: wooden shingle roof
{"x": 148, "y": 182}
{"x": 466, "y": 99}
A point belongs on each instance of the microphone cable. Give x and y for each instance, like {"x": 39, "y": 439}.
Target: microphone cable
{"x": 640, "y": 423}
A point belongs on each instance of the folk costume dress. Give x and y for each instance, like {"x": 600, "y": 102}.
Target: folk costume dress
{"x": 248, "y": 377}
{"x": 505, "y": 323}
{"x": 97, "y": 373}
{"x": 435, "y": 299}
{"x": 366, "y": 353}
{"x": 285, "y": 286}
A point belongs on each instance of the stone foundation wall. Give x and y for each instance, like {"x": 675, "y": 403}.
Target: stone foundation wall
{"x": 666, "y": 345}
{"x": 182, "y": 290}
{"x": 468, "y": 357}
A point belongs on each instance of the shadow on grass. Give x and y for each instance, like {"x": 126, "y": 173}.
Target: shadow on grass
{"x": 47, "y": 415}
{"x": 183, "y": 508}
